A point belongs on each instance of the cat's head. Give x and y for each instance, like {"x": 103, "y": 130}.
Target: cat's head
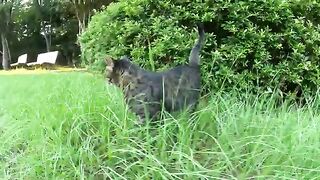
{"x": 119, "y": 71}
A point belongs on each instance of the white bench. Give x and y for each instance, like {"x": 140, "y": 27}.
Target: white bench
{"x": 48, "y": 57}
{"x": 21, "y": 60}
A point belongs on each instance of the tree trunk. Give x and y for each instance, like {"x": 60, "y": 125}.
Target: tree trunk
{"x": 5, "y": 51}
{"x": 47, "y": 42}
{"x": 81, "y": 25}
{"x": 45, "y": 35}
{"x": 81, "y": 17}
{"x": 9, "y": 52}
{"x": 84, "y": 23}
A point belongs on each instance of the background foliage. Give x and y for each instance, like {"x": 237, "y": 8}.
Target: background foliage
{"x": 37, "y": 26}
{"x": 251, "y": 45}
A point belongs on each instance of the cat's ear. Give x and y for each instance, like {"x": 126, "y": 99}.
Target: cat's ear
{"x": 109, "y": 63}
{"x": 125, "y": 57}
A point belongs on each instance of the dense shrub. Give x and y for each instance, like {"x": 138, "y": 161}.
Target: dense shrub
{"x": 251, "y": 45}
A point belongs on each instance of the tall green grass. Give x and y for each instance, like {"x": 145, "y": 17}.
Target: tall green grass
{"x": 73, "y": 126}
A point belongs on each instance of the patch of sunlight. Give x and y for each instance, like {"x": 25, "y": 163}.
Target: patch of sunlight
{"x": 40, "y": 70}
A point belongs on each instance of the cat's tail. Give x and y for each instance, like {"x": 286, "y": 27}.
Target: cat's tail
{"x": 194, "y": 58}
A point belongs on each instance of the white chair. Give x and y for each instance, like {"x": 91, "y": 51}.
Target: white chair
{"x": 21, "y": 60}
{"x": 48, "y": 57}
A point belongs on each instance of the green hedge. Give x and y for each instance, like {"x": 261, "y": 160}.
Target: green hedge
{"x": 254, "y": 45}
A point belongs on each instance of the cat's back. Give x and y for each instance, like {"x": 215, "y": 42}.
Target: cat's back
{"x": 188, "y": 75}
{"x": 191, "y": 73}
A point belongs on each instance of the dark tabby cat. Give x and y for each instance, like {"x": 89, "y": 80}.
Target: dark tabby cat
{"x": 147, "y": 92}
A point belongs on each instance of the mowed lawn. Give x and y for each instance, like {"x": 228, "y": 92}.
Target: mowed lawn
{"x": 73, "y": 126}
